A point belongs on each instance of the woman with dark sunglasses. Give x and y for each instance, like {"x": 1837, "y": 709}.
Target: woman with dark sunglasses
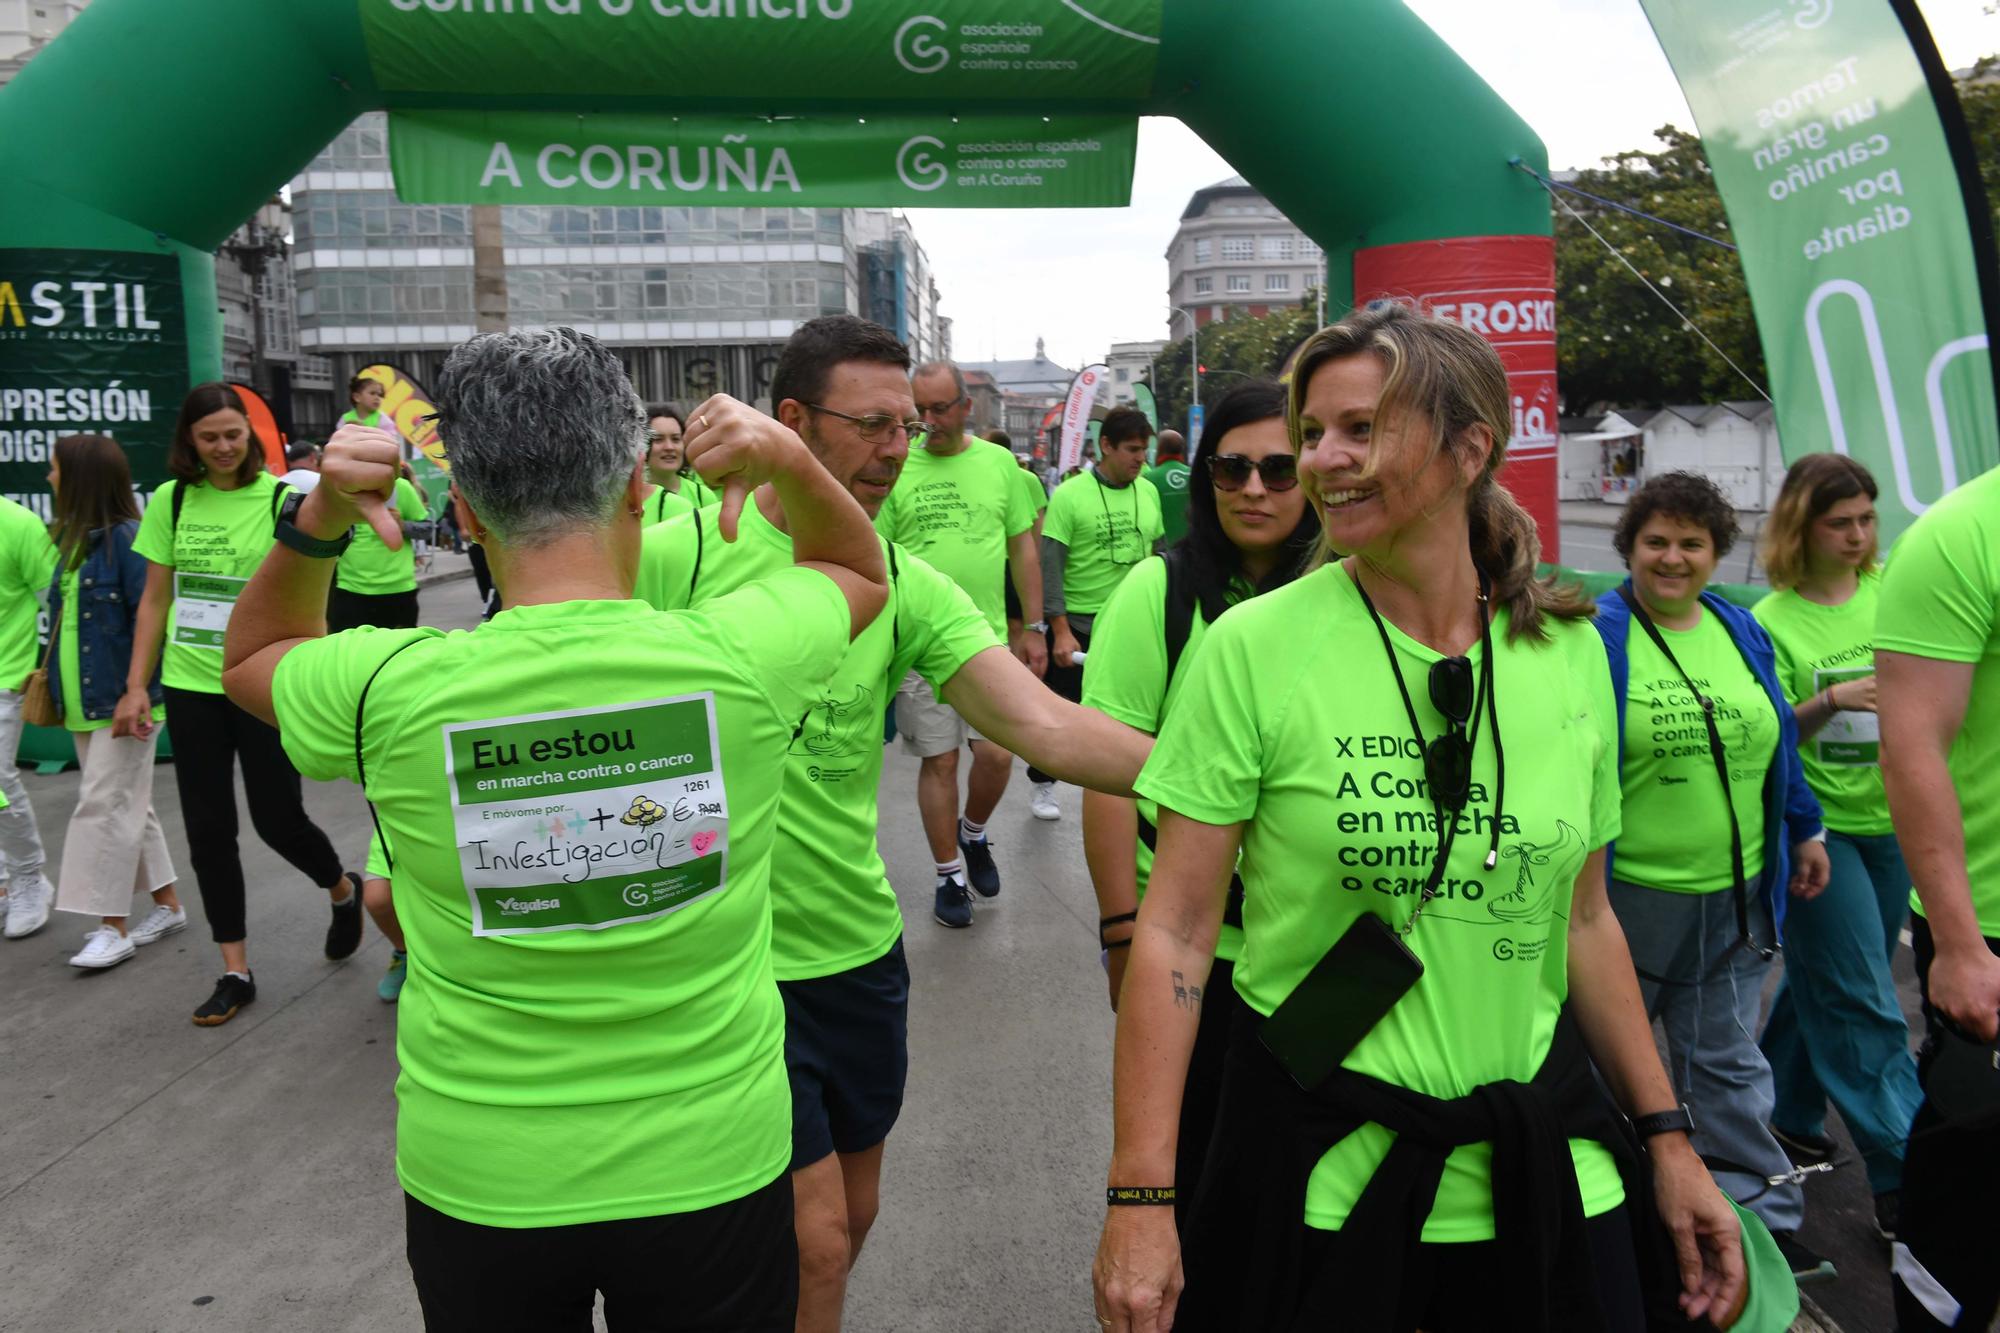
{"x": 1699, "y": 877}
{"x": 1249, "y": 531}
{"x": 1414, "y": 751}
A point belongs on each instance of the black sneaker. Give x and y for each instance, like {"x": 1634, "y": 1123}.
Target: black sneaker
{"x": 343, "y": 933}
{"x": 1805, "y": 1149}
{"x": 231, "y": 993}
{"x": 954, "y": 904}
{"x": 1888, "y": 1212}
{"x": 1807, "y": 1265}
{"x": 980, "y": 871}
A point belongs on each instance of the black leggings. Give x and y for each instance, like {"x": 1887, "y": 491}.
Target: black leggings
{"x": 211, "y": 735}
{"x": 384, "y": 610}
{"x": 1066, "y": 680}
{"x": 734, "y": 1266}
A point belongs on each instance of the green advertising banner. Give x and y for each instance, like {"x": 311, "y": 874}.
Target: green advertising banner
{"x": 91, "y": 342}
{"x": 872, "y": 50}
{"x": 1845, "y": 201}
{"x": 533, "y": 157}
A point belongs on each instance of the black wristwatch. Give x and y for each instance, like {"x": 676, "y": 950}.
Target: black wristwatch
{"x": 1664, "y": 1122}
{"x": 292, "y": 535}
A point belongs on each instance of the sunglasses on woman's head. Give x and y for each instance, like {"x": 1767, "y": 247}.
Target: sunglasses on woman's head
{"x": 1231, "y": 472}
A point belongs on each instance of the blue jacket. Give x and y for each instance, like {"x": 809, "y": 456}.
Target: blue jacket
{"x": 109, "y": 585}
{"x": 1790, "y": 808}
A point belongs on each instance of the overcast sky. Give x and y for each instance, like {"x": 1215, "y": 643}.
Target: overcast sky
{"x": 1588, "y": 75}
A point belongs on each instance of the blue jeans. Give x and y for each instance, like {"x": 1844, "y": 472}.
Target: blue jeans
{"x": 1836, "y": 1031}
{"x": 1705, "y": 989}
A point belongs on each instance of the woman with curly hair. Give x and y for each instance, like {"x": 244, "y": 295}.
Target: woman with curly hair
{"x": 1718, "y": 823}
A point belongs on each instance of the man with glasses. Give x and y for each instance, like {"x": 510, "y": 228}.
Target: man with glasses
{"x": 960, "y": 508}
{"x": 836, "y": 927}
{"x": 1100, "y": 523}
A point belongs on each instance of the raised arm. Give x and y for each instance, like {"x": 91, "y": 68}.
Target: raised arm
{"x": 735, "y": 448}
{"x": 1005, "y": 703}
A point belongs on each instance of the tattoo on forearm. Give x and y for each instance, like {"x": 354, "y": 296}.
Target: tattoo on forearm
{"x": 1186, "y": 996}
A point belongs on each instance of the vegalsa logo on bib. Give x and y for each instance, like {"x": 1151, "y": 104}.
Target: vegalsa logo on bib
{"x": 917, "y": 47}
{"x": 523, "y": 906}
{"x": 918, "y": 169}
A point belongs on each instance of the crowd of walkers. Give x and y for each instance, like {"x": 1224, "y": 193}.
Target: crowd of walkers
{"x": 1401, "y": 849}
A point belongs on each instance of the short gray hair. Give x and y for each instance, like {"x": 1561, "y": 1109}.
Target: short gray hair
{"x": 541, "y": 430}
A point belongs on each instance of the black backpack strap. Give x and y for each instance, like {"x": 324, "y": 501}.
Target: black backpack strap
{"x": 360, "y": 767}
{"x": 695, "y": 572}
{"x": 180, "y": 497}
{"x": 896, "y": 615}
{"x": 277, "y": 502}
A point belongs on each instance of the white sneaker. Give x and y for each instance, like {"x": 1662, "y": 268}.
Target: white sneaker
{"x": 104, "y": 947}
{"x": 159, "y": 923}
{"x": 1042, "y": 804}
{"x": 28, "y": 902}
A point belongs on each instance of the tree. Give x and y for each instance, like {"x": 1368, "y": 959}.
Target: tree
{"x": 1242, "y": 345}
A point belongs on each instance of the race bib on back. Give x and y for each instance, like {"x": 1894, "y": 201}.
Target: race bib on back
{"x": 588, "y": 818}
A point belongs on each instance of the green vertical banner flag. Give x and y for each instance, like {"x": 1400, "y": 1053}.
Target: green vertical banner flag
{"x": 92, "y": 342}
{"x": 1832, "y": 143}
{"x": 929, "y": 161}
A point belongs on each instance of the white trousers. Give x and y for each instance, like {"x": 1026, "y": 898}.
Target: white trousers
{"x": 115, "y": 846}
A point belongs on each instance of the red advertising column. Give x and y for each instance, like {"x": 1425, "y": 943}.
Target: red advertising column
{"x": 1503, "y": 288}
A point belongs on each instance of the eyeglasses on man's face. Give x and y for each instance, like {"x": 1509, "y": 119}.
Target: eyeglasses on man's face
{"x": 939, "y": 409}
{"x": 876, "y": 427}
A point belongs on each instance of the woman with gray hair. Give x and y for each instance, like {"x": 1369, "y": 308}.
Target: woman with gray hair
{"x": 580, "y": 795}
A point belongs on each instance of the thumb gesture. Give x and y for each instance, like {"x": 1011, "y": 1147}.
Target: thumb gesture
{"x": 358, "y": 474}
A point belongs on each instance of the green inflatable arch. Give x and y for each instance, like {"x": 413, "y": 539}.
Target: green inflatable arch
{"x": 152, "y": 130}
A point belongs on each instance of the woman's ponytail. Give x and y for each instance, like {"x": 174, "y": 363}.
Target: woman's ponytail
{"x": 1507, "y": 548}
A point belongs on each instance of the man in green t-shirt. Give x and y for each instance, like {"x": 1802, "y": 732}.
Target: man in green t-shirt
{"x": 27, "y": 561}
{"x": 836, "y": 927}
{"x": 1937, "y": 664}
{"x": 1170, "y": 478}
{"x": 958, "y": 506}
{"x": 1099, "y": 524}
{"x": 580, "y": 799}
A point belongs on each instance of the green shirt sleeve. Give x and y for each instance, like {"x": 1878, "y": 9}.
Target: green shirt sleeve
{"x": 666, "y": 563}
{"x": 938, "y": 626}
{"x": 1152, "y": 519}
{"x": 410, "y": 502}
{"x": 317, "y": 690}
{"x": 1020, "y": 511}
{"x": 1032, "y": 488}
{"x": 1209, "y": 763}
{"x": 156, "y": 527}
{"x": 1767, "y": 614}
{"x": 1125, "y": 672}
{"x": 1939, "y": 593}
{"x": 1062, "y": 513}
{"x": 789, "y": 631}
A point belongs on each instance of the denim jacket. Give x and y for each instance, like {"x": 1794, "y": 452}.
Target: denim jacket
{"x": 1791, "y": 811}
{"x": 108, "y": 586}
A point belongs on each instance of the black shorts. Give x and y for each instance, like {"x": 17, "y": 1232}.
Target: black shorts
{"x": 733, "y": 1266}
{"x": 847, "y": 1049}
{"x": 385, "y": 610}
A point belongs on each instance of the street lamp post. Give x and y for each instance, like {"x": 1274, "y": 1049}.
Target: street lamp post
{"x": 1194, "y": 352}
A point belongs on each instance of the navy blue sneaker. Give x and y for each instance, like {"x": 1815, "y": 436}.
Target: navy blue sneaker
{"x": 979, "y": 867}
{"x": 954, "y": 904}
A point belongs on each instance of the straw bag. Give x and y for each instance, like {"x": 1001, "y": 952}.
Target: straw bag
{"x": 38, "y": 706}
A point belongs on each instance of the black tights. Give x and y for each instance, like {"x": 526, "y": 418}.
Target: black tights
{"x": 211, "y": 736}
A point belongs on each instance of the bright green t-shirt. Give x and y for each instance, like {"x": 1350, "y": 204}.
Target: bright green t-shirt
{"x": 1031, "y": 487}
{"x": 955, "y": 512}
{"x": 664, "y": 504}
{"x": 1818, "y": 647}
{"x": 832, "y": 908}
{"x": 72, "y": 665}
{"x": 27, "y": 559}
{"x": 1677, "y": 828}
{"x": 696, "y": 491}
{"x": 1107, "y": 532}
{"x": 1170, "y": 479}
{"x": 1125, "y": 678}
{"x": 582, "y": 799}
{"x": 223, "y": 536}
{"x": 1941, "y": 599}
{"x": 372, "y": 569}
{"x": 1290, "y": 723}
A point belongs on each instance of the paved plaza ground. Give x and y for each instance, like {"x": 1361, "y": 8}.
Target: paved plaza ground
{"x": 159, "y": 1176}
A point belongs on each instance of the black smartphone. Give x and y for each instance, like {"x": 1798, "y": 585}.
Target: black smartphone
{"x": 1351, "y": 989}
